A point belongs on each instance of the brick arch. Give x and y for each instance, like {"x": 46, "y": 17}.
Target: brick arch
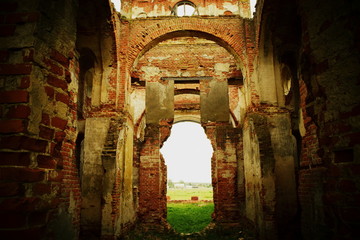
{"x": 145, "y": 35}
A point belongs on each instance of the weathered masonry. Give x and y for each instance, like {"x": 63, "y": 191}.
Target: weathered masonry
{"x": 88, "y": 95}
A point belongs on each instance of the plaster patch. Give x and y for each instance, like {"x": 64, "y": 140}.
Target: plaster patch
{"x": 222, "y": 67}
{"x": 150, "y": 71}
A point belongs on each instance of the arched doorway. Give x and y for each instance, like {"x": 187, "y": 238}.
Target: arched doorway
{"x": 187, "y": 153}
{"x": 187, "y": 76}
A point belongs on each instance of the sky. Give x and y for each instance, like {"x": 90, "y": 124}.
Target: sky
{"x": 187, "y": 153}
{"x": 117, "y": 4}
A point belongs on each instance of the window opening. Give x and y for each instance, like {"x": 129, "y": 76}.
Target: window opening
{"x": 184, "y": 8}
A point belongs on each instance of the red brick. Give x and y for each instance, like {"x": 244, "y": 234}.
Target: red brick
{"x": 21, "y": 174}
{"x": 19, "y": 111}
{"x": 15, "y": 158}
{"x": 22, "y": 17}
{"x": 41, "y": 189}
{"x": 46, "y": 133}
{"x": 55, "y": 69}
{"x": 46, "y": 162}
{"x": 15, "y": 96}
{"x": 58, "y": 123}
{"x": 24, "y": 82}
{"x": 4, "y": 56}
{"x": 12, "y": 220}
{"x": 8, "y": 189}
{"x": 19, "y": 204}
{"x": 8, "y": 6}
{"x": 63, "y": 98}
{"x": 56, "y": 82}
{"x": 6, "y": 31}
{"x": 50, "y": 92}
{"x": 55, "y": 149}
{"x": 23, "y": 143}
{"x": 28, "y": 55}
{"x": 56, "y": 176}
{"x": 35, "y": 145}
{"x": 15, "y": 69}
{"x": 59, "y": 136}
{"x": 45, "y": 119}
{"x": 67, "y": 76}
{"x": 12, "y": 126}
{"x": 60, "y": 58}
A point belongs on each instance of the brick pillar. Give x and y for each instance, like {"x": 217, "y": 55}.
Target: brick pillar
{"x": 152, "y": 178}
{"x": 225, "y": 140}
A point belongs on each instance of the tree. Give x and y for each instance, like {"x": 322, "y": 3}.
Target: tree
{"x": 171, "y": 184}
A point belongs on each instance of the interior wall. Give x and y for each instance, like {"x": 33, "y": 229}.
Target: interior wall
{"x": 308, "y": 39}
{"x": 140, "y": 9}
{"x": 42, "y": 188}
{"x": 108, "y": 208}
{"x": 328, "y": 74}
{"x": 39, "y": 177}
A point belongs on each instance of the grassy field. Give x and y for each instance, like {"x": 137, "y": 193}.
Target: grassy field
{"x": 186, "y": 194}
{"x": 189, "y": 217}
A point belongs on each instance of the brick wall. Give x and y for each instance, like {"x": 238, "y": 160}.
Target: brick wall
{"x": 323, "y": 55}
{"x": 39, "y": 177}
{"x": 329, "y": 177}
{"x": 143, "y": 9}
{"x": 225, "y": 141}
{"x": 153, "y": 178}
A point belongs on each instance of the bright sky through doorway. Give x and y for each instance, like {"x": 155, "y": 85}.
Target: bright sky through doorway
{"x": 187, "y": 153}
{"x": 252, "y": 6}
{"x": 117, "y": 4}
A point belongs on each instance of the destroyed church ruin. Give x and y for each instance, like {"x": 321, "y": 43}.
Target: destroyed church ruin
{"x": 89, "y": 94}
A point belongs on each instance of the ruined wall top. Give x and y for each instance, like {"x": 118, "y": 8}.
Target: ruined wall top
{"x": 132, "y": 9}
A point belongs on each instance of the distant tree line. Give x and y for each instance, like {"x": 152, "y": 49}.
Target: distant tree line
{"x": 172, "y": 184}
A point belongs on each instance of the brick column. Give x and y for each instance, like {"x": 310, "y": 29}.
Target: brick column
{"x": 152, "y": 178}
{"x": 225, "y": 140}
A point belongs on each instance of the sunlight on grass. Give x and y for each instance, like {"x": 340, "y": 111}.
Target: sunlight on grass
{"x": 189, "y": 217}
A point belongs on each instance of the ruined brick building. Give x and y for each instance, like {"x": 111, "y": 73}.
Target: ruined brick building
{"x": 88, "y": 96}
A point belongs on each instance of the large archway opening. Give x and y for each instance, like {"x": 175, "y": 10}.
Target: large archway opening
{"x": 186, "y": 78}
{"x": 187, "y": 154}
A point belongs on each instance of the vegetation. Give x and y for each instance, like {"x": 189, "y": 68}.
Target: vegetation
{"x": 186, "y": 194}
{"x": 189, "y": 221}
{"x": 172, "y": 184}
{"x": 189, "y": 217}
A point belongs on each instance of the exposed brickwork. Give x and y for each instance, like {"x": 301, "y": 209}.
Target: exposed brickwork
{"x": 73, "y": 67}
{"x": 225, "y": 141}
{"x": 31, "y": 157}
{"x": 152, "y": 178}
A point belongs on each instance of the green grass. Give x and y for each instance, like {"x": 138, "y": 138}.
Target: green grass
{"x": 186, "y": 194}
{"x": 189, "y": 217}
